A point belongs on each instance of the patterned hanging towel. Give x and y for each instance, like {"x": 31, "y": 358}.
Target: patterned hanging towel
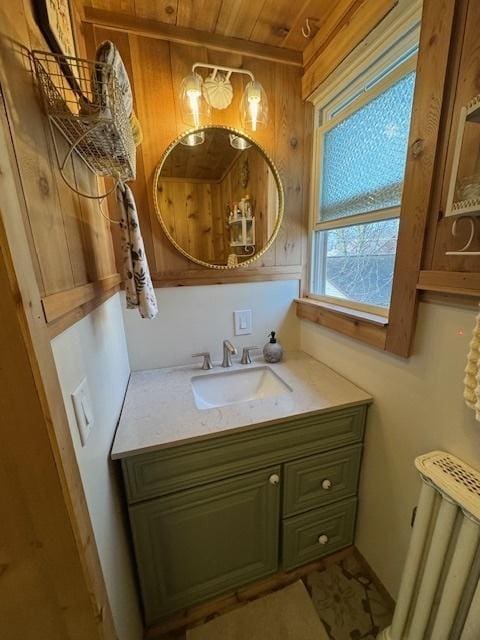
{"x": 138, "y": 284}
{"x": 471, "y": 381}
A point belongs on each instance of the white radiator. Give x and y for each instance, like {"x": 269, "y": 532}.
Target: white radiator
{"x": 439, "y": 596}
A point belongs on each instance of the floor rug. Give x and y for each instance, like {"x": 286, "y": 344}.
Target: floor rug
{"x": 348, "y": 601}
{"x": 287, "y": 614}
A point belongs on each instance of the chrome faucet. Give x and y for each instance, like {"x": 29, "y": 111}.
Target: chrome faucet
{"x": 228, "y": 351}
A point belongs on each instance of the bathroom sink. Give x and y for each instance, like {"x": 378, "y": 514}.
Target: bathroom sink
{"x": 241, "y": 385}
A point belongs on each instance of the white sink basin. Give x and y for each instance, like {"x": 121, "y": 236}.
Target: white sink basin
{"x": 241, "y": 385}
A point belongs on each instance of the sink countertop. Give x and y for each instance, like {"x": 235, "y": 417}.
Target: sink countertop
{"x": 160, "y": 411}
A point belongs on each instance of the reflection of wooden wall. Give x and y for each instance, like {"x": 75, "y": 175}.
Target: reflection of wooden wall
{"x": 194, "y": 216}
{"x": 156, "y": 68}
{"x": 259, "y": 188}
{"x": 70, "y": 240}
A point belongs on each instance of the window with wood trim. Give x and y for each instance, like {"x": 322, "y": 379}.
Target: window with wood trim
{"x": 360, "y": 154}
{"x": 440, "y": 45}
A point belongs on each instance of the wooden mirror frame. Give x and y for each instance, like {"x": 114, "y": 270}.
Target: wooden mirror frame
{"x": 280, "y": 195}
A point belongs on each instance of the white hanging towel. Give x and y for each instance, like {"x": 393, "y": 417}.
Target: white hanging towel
{"x": 471, "y": 381}
{"x": 138, "y": 283}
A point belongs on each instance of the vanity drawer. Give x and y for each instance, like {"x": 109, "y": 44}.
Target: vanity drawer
{"x": 318, "y": 533}
{"x": 161, "y": 472}
{"x": 318, "y": 480}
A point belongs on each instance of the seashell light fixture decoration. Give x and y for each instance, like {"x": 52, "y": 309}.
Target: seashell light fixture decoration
{"x": 198, "y": 96}
{"x": 217, "y": 90}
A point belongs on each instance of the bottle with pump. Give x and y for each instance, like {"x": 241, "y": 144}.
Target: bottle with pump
{"x": 273, "y": 350}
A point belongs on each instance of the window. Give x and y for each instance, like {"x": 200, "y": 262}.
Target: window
{"x": 360, "y": 156}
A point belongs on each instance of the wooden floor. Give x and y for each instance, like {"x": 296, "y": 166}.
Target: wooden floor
{"x": 328, "y": 572}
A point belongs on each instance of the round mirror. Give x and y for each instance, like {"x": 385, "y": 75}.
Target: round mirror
{"x": 218, "y": 197}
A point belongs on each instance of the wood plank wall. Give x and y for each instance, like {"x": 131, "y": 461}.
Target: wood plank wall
{"x": 156, "y": 68}
{"x": 70, "y": 240}
{"x": 464, "y": 84}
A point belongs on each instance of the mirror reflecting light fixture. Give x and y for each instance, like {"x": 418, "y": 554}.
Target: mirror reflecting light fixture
{"x": 254, "y": 107}
{"x": 193, "y": 139}
{"x": 238, "y": 142}
{"x": 194, "y": 109}
{"x": 197, "y": 97}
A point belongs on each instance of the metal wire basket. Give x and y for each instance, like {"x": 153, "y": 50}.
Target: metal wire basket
{"x": 90, "y": 114}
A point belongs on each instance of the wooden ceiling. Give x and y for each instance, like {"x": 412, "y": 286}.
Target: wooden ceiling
{"x": 272, "y": 22}
{"x": 207, "y": 162}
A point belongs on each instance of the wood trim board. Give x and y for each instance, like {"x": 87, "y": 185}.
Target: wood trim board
{"x": 432, "y": 77}
{"x": 455, "y": 282}
{"x": 322, "y": 55}
{"x": 357, "y": 327}
{"x": 58, "y": 304}
{"x": 191, "y": 37}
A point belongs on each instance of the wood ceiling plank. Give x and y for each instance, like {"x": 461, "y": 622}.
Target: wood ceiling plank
{"x": 324, "y": 58}
{"x": 275, "y": 21}
{"x": 339, "y": 16}
{"x": 161, "y": 10}
{"x": 198, "y": 14}
{"x": 237, "y": 18}
{"x": 190, "y": 37}
{"x": 317, "y": 12}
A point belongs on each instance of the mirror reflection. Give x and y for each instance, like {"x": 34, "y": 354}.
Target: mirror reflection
{"x": 218, "y": 197}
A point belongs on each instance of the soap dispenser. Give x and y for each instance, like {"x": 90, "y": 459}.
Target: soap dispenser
{"x": 273, "y": 350}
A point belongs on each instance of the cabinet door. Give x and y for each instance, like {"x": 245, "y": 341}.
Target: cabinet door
{"x": 198, "y": 543}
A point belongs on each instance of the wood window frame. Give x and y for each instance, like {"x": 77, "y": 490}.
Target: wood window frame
{"x": 329, "y": 121}
{"x": 396, "y": 336}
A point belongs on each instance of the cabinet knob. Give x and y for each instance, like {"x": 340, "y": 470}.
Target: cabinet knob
{"x": 274, "y": 478}
{"x": 327, "y": 484}
{"x": 323, "y": 539}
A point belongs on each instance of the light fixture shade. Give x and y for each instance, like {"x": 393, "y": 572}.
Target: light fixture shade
{"x": 254, "y": 107}
{"x": 195, "y": 111}
{"x": 193, "y": 139}
{"x": 239, "y": 142}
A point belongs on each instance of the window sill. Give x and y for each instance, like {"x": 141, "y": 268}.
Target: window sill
{"x": 363, "y": 326}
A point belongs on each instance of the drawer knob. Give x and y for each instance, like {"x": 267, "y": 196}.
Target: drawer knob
{"x": 274, "y": 479}
{"x": 323, "y": 539}
{"x": 327, "y": 484}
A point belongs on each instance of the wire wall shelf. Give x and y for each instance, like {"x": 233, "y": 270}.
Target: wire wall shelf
{"x": 463, "y": 198}
{"x": 84, "y": 102}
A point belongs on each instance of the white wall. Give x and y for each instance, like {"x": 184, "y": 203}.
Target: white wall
{"x": 193, "y": 319}
{"x": 95, "y": 348}
{"x": 418, "y": 408}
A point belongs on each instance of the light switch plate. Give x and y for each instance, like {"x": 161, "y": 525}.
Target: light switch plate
{"x": 82, "y": 405}
{"x": 243, "y": 322}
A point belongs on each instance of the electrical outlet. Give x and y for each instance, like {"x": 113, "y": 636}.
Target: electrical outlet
{"x": 243, "y": 322}
{"x": 83, "y": 410}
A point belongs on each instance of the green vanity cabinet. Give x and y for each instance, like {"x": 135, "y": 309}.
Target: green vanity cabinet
{"x": 200, "y": 542}
{"x": 212, "y": 515}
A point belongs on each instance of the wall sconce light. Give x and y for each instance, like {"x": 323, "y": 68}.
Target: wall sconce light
{"x": 198, "y": 96}
{"x": 254, "y": 107}
{"x": 194, "y": 110}
{"x": 193, "y": 139}
{"x": 238, "y": 142}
